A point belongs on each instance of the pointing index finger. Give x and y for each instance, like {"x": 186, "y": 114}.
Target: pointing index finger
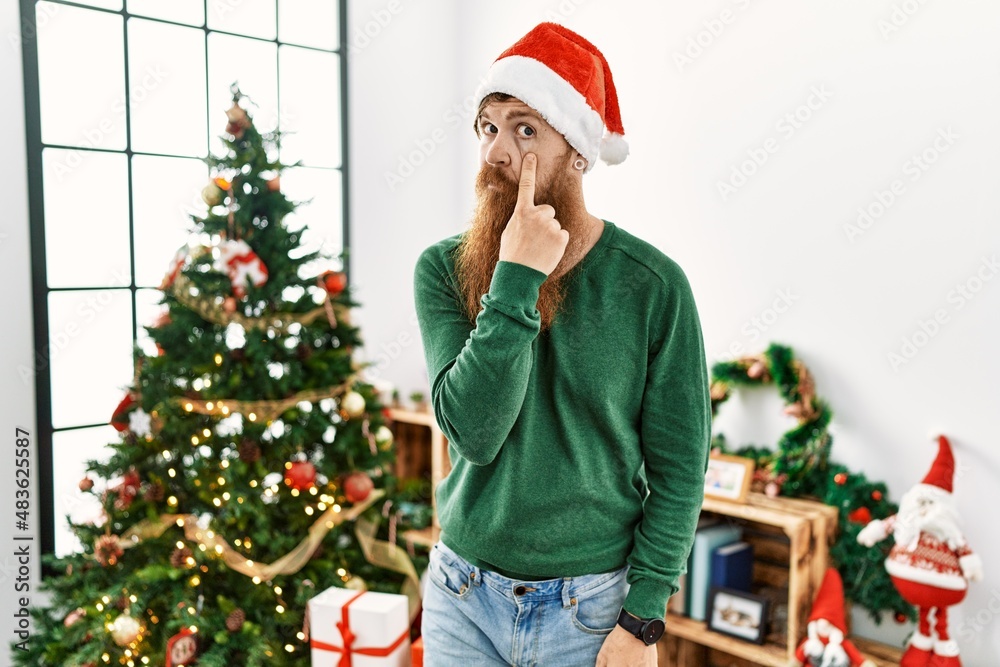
{"x": 526, "y": 189}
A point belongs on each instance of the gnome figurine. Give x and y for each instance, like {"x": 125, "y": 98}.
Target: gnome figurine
{"x": 825, "y": 644}
{"x": 930, "y": 564}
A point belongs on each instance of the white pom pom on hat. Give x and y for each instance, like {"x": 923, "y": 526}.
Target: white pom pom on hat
{"x": 567, "y": 80}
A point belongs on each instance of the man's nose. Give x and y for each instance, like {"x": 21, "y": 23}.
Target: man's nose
{"x": 499, "y": 152}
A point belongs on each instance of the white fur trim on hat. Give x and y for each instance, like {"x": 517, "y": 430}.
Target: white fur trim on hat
{"x": 614, "y": 148}
{"x": 552, "y": 96}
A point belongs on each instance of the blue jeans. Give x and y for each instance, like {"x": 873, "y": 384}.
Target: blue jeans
{"x": 474, "y": 617}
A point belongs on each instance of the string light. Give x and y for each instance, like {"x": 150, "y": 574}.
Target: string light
{"x": 194, "y": 440}
{"x": 207, "y": 433}
{"x": 210, "y": 405}
{"x": 218, "y": 359}
{"x": 172, "y": 472}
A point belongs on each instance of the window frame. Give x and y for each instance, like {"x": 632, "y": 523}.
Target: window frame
{"x": 40, "y": 290}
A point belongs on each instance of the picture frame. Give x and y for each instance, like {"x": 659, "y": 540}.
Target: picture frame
{"x": 738, "y": 614}
{"x": 729, "y": 477}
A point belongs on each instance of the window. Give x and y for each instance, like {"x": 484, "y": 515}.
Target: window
{"x": 123, "y": 100}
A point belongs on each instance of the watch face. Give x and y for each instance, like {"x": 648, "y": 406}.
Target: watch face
{"x": 652, "y": 632}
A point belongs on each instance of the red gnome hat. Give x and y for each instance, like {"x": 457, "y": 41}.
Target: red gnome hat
{"x": 942, "y": 471}
{"x": 829, "y": 604}
{"x": 567, "y": 80}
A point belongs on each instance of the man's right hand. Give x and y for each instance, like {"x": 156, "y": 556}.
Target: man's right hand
{"x": 533, "y": 236}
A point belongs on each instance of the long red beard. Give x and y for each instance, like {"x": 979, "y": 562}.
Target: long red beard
{"x": 479, "y": 249}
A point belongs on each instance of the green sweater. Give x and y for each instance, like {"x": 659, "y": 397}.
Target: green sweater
{"x": 555, "y": 439}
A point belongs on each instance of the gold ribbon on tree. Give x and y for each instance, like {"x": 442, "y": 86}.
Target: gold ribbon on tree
{"x": 212, "y": 311}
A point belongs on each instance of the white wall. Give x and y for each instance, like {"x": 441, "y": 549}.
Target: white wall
{"x": 17, "y": 400}
{"x": 887, "y": 93}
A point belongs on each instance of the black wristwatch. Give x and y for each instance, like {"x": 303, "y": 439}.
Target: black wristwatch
{"x": 649, "y": 630}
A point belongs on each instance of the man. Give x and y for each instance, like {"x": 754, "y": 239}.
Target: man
{"x": 568, "y": 372}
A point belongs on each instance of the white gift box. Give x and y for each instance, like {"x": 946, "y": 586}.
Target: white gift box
{"x": 375, "y": 622}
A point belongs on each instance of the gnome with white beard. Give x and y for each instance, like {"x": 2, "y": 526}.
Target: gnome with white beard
{"x": 930, "y": 563}
{"x": 826, "y": 644}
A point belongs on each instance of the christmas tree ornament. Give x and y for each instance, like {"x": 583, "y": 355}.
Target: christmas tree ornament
{"x": 300, "y": 475}
{"x": 249, "y": 451}
{"x": 235, "y": 620}
{"x": 876, "y": 495}
{"x": 182, "y": 648}
{"x": 181, "y": 557}
{"x": 357, "y": 486}
{"x": 119, "y": 418}
{"x": 860, "y": 515}
{"x": 383, "y": 436}
{"x": 229, "y": 305}
{"x": 826, "y": 644}
{"x": 274, "y": 184}
{"x": 930, "y": 563}
{"x": 107, "y": 550}
{"x": 840, "y": 478}
{"x": 239, "y": 261}
{"x": 353, "y": 404}
{"x": 212, "y": 194}
{"x": 154, "y": 493}
{"x": 139, "y": 422}
{"x": 174, "y": 270}
{"x": 334, "y": 282}
{"x": 86, "y": 484}
{"x": 238, "y": 120}
{"x": 125, "y": 629}
{"x": 74, "y": 616}
{"x": 356, "y": 583}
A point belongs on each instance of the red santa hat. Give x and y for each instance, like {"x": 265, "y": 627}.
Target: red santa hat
{"x": 942, "y": 472}
{"x": 829, "y": 604}
{"x": 566, "y": 79}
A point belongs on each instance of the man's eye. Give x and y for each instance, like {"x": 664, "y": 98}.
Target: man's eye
{"x": 526, "y": 131}
{"x": 489, "y": 128}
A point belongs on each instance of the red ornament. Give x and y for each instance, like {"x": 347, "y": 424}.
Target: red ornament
{"x": 229, "y": 305}
{"x": 300, "y": 475}
{"x": 860, "y": 515}
{"x": 840, "y": 478}
{"x": 118, "y": 418}
{"x": 900, "y": 617}
{"x": 274, "y": 184}
{"x": 334, "y": 282}
{"x": 876, "y": 495}
{"x": 357, "y": 486}
{"x": 86, "y": 484}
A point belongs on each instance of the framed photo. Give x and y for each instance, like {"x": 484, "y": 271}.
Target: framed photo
{"x": 738, "y": 614}
{"x": 728, "y": 477}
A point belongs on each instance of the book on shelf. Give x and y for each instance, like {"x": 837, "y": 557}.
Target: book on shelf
{"x": 732, "y": 566}
{"x": 706, "y": 540}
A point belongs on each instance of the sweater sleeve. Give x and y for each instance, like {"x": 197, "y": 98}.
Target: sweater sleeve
{"x": 479, "y": 375}
{"x": 675, "y": 429}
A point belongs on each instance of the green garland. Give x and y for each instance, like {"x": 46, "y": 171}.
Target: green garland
{"x": 800, "y": 466}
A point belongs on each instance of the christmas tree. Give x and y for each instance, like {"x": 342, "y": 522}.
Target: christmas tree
{"x": 253, "y": 469}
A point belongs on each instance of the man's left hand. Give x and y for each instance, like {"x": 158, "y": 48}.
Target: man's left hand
{"x": 623, "y": 649}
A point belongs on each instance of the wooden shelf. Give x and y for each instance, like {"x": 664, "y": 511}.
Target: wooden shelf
{"x": 431, "y": 438}
{"x": 767, "y": 654}
{"x": 427, "y": 537}
{"x": 412, "y": 417}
